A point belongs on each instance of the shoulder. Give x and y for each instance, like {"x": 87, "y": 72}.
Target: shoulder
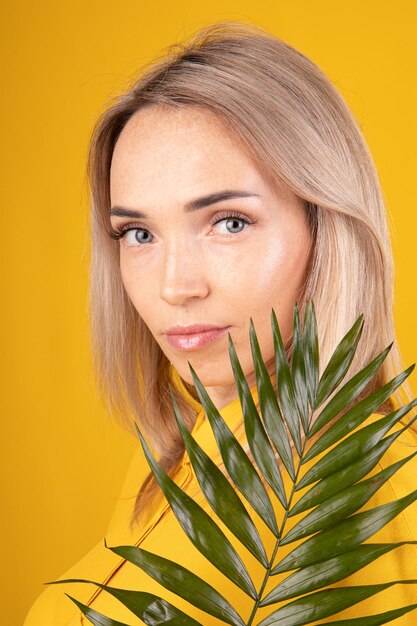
{"x": 52, "y": 607}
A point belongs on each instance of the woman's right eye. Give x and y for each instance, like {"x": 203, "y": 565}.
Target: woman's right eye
{"x": 133, "y": 235}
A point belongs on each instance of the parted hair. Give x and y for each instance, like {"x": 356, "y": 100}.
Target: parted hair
{"x": 299, "y": 131}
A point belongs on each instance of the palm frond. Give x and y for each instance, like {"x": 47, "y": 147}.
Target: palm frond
{"x": 329, "y": 534}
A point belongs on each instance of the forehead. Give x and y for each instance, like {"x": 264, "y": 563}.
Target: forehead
{"x": 163, "y": 146}
{"x": 154, "y": 124}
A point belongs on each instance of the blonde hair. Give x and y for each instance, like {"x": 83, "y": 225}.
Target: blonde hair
{"x": 299, "y": 131}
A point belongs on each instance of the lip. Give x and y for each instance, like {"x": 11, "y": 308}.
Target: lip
{"x": 194, "y": 336}
{"x": 191, "y": 329}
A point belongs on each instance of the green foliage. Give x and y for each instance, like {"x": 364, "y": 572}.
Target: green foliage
{"x": 282, "y": 437}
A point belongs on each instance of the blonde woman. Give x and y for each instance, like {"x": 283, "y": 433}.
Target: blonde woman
{"x": 229, "y": 179}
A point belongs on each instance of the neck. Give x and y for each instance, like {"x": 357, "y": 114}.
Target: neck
{"x": 222, "y": 395}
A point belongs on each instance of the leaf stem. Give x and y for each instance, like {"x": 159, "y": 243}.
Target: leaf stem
{"x": 271, "y": 562}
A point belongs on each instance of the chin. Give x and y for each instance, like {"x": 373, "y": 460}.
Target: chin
{"x": 205, "y": 374}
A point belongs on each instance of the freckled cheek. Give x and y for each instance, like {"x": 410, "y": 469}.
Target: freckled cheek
{"x": 127, "y": 272}
{"x": 263, "y": 265}
{"x": 138, "y": 284}
{"x": 275, "y": 261}
{"x": 279, "y": 268}
{"x": 271, "y": 267}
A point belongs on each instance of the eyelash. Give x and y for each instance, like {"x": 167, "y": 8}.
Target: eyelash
{"x": 120, "y": 231}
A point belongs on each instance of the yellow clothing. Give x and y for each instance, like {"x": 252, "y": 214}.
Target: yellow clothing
{"x": 161, "y": 533}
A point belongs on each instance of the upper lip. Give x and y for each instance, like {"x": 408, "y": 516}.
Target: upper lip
{"x": 191, "y": 329}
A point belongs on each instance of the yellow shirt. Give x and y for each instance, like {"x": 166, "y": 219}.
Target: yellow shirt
{"x": 161, "y": 533}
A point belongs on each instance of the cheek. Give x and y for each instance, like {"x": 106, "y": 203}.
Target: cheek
{"x": 284, "y": 264}
{"x": 274, "y": 281}
{"x": 138, "y": 285}
{"x": 274, "y": 271}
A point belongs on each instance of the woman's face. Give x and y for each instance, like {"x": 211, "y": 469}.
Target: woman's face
{"x": 189, "y": 257}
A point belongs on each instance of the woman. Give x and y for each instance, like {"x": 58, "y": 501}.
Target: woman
{"x": 229, "y": 179}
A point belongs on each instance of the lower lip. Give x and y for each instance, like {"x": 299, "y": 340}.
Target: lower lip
{"x": 196, "y": 340}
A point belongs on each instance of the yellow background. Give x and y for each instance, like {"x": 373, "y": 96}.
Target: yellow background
{"x": 63, "y": 459}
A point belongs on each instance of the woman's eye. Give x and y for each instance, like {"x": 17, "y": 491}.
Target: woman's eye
{"x": 232, "y": 224}
{"x": 136, "y": 236}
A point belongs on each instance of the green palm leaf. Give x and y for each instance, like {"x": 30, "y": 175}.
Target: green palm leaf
{"x": 150, "y": 608}
{"x": 349, "y": 450}
{"x": 344, "y": 535}
{"x": 298, "y": 371}
{"x": 356, "y": 415}
{"x": 257, "y": 437}
{"x": 322, "y": 604}
{"x": 311, "y": 353}
{"x": 229, "y": 508}
{"x": 96, "y": 618}
{"x": 349, "y": 392}
{"x": 270, "y": 409}
{"x": 327, "y": 572}
{"x": 201, "y": 529}
{"x": 285, "y": 385}
{"x": 330, "y": 533}
{"x": 374, "y": 620}
{"x": 352, "y": 472}
{"x": 342, "y": 504}
{"x": 339, "y": 362}
{"x": 192, "y": 588}
{"x": 236, "y": 461}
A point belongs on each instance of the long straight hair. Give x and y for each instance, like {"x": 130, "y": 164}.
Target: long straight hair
{"x": 299, "y": 131}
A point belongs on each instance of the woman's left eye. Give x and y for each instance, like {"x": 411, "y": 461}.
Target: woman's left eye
{"x": 233, "y": 223}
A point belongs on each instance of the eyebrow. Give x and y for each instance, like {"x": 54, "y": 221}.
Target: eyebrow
{"x": 191, "y": 205}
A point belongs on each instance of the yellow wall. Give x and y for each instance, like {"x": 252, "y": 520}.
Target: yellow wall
{"x": 63, "y": 460}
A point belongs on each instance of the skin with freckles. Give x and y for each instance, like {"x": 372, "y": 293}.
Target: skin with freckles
{"x": 219, "y": 264}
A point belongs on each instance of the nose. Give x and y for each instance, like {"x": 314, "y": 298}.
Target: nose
{"x": 183, "y": 274}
